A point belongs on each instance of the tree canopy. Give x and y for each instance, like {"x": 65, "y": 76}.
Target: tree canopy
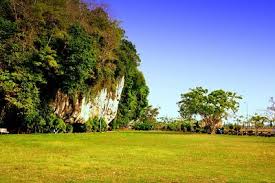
{"x": 211, "y": 107}
{"x": 258, "y": 120}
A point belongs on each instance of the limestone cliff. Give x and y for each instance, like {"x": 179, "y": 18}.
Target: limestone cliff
{"x": 104, "y": 105}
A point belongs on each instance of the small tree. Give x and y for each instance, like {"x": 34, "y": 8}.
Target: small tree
{"x": 148, "y": 119}
{"x": 258, "y": 121}
{"x": 96, "y": 124}
{"x": 271, "y": 111}
{"x": 211, "y": 107}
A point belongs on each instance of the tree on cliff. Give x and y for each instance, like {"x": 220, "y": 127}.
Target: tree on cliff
{"x": 53, "y": 45}
{"x": 135, "y": 92}
{"x": 211, "y": 107}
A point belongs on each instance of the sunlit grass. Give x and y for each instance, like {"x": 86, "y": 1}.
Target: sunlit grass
{"x": 136, "y": 157}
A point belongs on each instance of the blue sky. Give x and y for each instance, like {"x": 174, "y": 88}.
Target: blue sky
{"x": 216, "y": 44}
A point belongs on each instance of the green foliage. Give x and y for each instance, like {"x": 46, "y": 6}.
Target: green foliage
{"x": 69, "y": 128}
{"x": 96, "y": 125}
{"x": 210, "y": 107}
{"x": 237, "y": 127}
{"x": 92, "y": 125}
{"x": 7, "y": 29}
{"x": 134, "y": 100}
{"x": 178, "y": 125}
{"x": 173, "y": 126}
{"x": 55, "y": 124}
{"x": 52, "y": 45}
{"x": 147, "y": 121}
{"x": 79, "y": 63}
{"x": 258, "y": 120}
{"x": 150, "y": 114}
{"x": 231, "y": 126}
{"x": 143, "y": 126}
{"x": 20, "y": 95}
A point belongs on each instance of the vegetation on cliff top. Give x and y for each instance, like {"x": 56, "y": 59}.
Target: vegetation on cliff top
{"x": 62, "y": 44}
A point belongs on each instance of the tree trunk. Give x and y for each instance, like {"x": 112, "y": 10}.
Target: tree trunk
{"x": 213, "y": 130}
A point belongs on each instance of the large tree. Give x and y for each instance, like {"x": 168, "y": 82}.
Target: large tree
{"x": 211, "y": 107}
{"x": 135, "y": 92}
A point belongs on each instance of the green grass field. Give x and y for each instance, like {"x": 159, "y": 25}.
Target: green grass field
{"x": 136, "y": 157}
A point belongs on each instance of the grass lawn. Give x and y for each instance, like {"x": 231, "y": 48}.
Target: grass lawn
{"x": 136, "y": 157}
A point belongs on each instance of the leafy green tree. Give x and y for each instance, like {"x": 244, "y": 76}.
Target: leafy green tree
{"x": 211, "y": 107}
{"x": 258, "y": 121}
{"x": 150, "y": 114}
{"x": 79, "y": 64}
{"x": 135, "y": 92}
{"x": 148, "y": 119}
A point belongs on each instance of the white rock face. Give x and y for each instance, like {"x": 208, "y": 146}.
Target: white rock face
{"x": 104, "y": 105}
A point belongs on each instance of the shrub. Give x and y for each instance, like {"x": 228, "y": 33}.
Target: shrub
{"x": 231, "y": 126}
{"x": 174, "y": 126}
{"x": 96, "y": 125}
{"x": 69, "y": 128}
{"x": 54, "y": 124}
{"x": 59, "y": 126}
{"x": 187, "y": 126}
{"x": 114, "y": 125}
{"x": 143, "y": 126}
{"x": 237, "y": 128}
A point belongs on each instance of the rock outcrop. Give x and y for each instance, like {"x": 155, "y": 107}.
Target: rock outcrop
{"x": 104, "y": 105}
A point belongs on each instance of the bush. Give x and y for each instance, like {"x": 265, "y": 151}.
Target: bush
{"x": 60, "y": 126}
{"x": 174, "y": 126}
{"x": 69, "y": 128}
{"x": 160, "y": 126}
{"x": 185, "y": 126}
{"x": 92, "y": 125}
{"x": 96, "y": 125}
{"x": 143, "y": 126}
{"x": 54, "y": 124}
{"x": 237, "y": 128}
{"x": 114, "y": 125}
